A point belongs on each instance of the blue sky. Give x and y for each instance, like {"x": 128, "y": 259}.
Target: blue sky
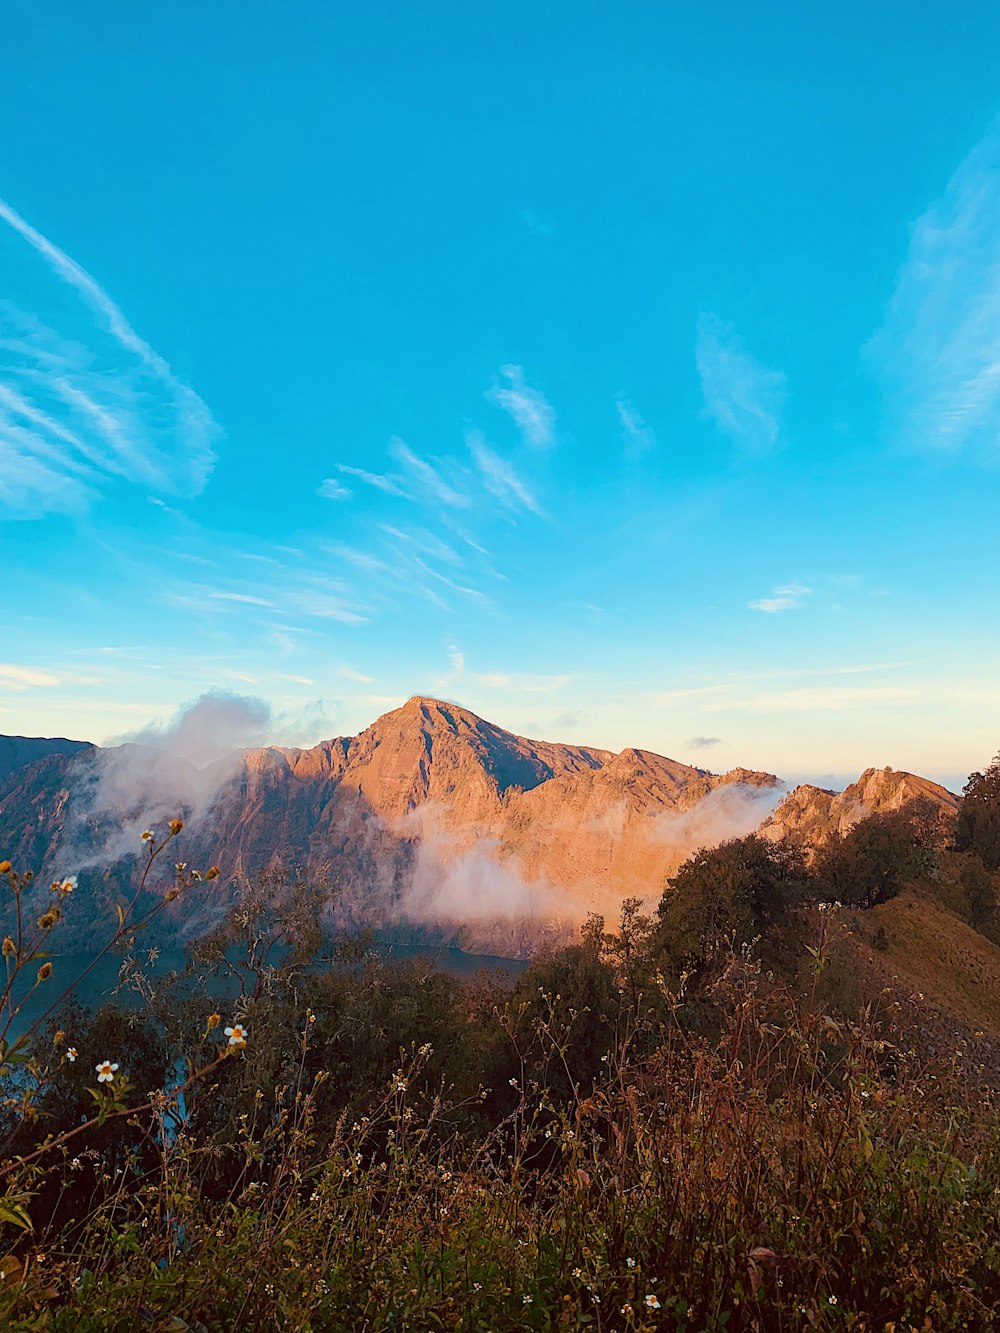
{"x": 631, "y": 378}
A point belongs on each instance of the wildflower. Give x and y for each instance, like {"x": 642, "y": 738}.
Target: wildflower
{"x": 175, "y": 827}
{"x": 180, "y": 867}
{"x": 106, "y": 1071}
{"x": 68, "y": 884}
{"x": 59, "y": 1038}
{"x": 44, "y": 972}
{"x": 578, "y": 1272}
{"x": 9, "y": 948}
{"x": 833, "y": 1300}
{"x": 214, "y": 1020}
{"x": 213, "y": 872}
{"x": 71, "y": 1054}
{"x": 427, "y": 1048}
{"x": 652, "y": 1303}
{"x": 147, "y": 836}
{"x": 48, "y": 919}
{"x": 477, "y": 1286}
{"x": 237, "y": 1034}
{"x": 4, "y": 867}
{"x": 525, "y": 1300}
{"x": 626, "y": 1309}
{"x": 268, "y": 1289}
{"x": 630, "y": 1262}
{"x": 76, "y": 1164}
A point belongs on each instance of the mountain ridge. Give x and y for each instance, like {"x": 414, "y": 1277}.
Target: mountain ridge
{"x": 431, "y": 818}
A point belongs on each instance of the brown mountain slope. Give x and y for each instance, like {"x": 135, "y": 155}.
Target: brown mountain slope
{"x": 431, "y": 818}
{"x": 812, "y": 815}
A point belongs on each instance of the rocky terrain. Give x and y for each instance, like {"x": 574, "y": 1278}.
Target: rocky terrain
{"x": 431, "y": 821}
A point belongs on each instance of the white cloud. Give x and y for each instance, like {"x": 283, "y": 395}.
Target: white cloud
{"x": 22, "y": 678}
{"x": 387, "y": 485}
{"x": 83, "y": 399}
{"x": 786, "y": 598}
{"x": 332, "y": 490}
{"x": 499, "y": 477}
{"x": 637, "y": 437}
{"x": 529, "y": 408}
{"x": 743, "y": 397}
{"x": 427, "y": 476}
{"x": 938, "y": 351}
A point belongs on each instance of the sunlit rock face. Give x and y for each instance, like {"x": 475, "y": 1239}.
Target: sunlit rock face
{"x": 432, "y": 823}
{"x": 811, "y": 815}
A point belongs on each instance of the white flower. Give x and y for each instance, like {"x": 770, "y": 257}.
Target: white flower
{"x": 652, "y": 1303}
{"x": 237, "y": 1034}
{"x": 71, "y": 1054}
{"x": 525, "y": 1300}
{"x": 833, "y": 1300}
{"x": 106, "y": 1071}
{"x": 630, "y": 1262}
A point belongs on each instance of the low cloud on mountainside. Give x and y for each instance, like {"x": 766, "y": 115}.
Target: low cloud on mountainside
{"x": 729, "y": 811}
{"x": 179, "y": 767}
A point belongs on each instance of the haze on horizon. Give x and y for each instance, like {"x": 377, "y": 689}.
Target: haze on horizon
{"x": 629, "y": 379}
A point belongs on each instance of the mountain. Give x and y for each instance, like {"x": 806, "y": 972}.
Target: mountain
{"x": 17, "y": 752}
{"x": 812, "y": 816}
{"x": 431, "y": 823}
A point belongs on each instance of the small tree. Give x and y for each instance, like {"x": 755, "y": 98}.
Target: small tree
{"x": 872, "y": 861}
{"x": 978, "y": 885}
{"x": 737, "y": 890}
{"x": 978, "y": 828}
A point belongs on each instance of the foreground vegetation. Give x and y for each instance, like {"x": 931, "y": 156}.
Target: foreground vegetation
{"x": 689, "y": 1123}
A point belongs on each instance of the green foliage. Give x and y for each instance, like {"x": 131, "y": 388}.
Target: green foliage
{"x": 873, "y": 861}
{"x": 387, "y": 1148}
{"x": 977, "y": 883}
{"x": 978, "y": 827}
{"x": 737, "y": 891}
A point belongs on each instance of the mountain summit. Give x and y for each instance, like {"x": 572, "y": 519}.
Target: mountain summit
{"x": 431, "y": 819}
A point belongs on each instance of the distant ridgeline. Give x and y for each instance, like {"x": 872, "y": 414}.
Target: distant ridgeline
{"x": 17, "y": 752}
{"x": 432, "y": 824}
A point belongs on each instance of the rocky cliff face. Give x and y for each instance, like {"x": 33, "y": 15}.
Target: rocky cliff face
{"x": 432, "y": 820}
{"x": 812, "y": 816}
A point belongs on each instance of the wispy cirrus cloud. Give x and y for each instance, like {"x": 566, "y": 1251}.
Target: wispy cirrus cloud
{"x": 938, "y": 351}
{"x": 499, "y": 477}
{"x": 743, "y": 397}
{"x": 331, "y": 489}
{"x": 428, "y": 476}
{"x": 529, "y": 408}
{"x": 23, "y": 678}
{"x": 84, "y": 400}
{"x": 387, "y": 485}
{"x": 637, "y": 437}
{"x": 788, "y": 597}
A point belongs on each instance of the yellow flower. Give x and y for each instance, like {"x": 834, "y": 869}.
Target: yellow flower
{"x": 4, "y": 867}
{"x": 214, "y": 1020}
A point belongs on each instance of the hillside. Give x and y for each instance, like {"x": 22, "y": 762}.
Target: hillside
{"x": 430, "y": 820}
